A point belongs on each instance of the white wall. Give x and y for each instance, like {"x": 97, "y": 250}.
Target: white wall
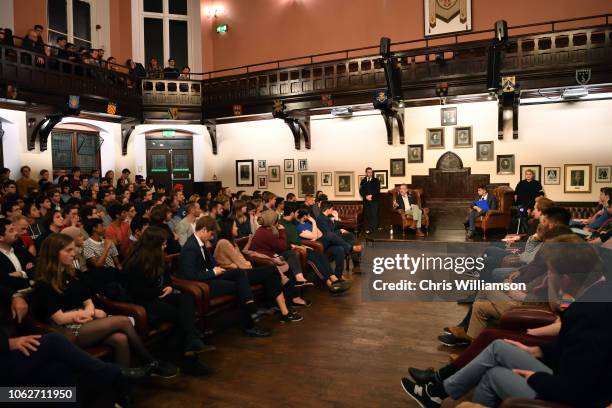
{"x": 202, "y": 150}
{"x": 550, "y": 135}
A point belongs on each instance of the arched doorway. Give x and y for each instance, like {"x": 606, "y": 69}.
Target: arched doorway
{"x": 170, "y": 158}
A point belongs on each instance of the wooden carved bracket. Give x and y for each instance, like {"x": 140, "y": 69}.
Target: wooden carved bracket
{"x": 211, "y": 126}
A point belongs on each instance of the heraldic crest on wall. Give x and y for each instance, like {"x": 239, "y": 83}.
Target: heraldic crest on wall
{"x": 447, "y": 16}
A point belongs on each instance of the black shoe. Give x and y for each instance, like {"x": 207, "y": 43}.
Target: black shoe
{"x": 195, "y": 345}
{"x": 301, "y": 284}
{"x": 340, "y": 286}
{"x": 446, "y": 330}
{"x": 291, "y": 317}
{"x": 196, "y": 369}
{"x": 135, "y": 373}
{"x": 420, "y": 395}
{"x": 163, "y": 369}
{"x": 451, "y": 340}
{"x": 255, "y": 332}
{"x": 423, "y": 377}
{"x": 307, "y": 304}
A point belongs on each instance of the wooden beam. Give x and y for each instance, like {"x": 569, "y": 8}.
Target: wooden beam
{"x": 211, "y": 127}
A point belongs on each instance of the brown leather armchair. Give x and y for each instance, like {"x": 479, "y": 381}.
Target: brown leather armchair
{"x": 405, "y": 220}
{"x": 350, "y": 215}
{"x": 525, "y": 317}
{"x": 501, "y": 217}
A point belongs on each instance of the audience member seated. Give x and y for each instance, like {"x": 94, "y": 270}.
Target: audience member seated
{"x": 16, "y": 263}
{"x": 186, "y": 227}
{"x": 99, "y": 252}
{"x": 149, "y": 286}
{"x": 573, "y": 371}
{"x": 62, "y": 300}
{"x": 406, "y": 203}
{"x": 484, "y": 203}
{"x": 333, "y": 280}
{"x": 154, "y": 71}
{"x": 118, "y": 231}
{"x": 25, "y": 182}
{"x": 326, "y": 222}
{"x": 271, "y": 240}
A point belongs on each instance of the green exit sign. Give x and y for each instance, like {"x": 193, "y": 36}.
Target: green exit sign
{"x": 168, "y": 133}
{"x": 222, "y": 28}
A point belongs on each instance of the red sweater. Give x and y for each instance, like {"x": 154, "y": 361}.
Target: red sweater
{"x": 266, "y": 243}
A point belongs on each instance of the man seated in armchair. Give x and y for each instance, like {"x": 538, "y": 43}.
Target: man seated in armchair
{"x": 479, "y": 208}
{"x": 406, "y": 203}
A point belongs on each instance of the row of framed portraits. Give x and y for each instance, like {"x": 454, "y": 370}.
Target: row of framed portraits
{"x": 576, "y": 177}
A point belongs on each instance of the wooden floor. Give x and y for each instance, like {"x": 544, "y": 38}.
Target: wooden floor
{"x": 345, "y": 353}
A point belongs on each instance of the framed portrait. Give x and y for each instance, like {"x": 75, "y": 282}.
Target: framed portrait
{"x": 326, "y": 178}
{"x": 552, "y": 175}
{"x": 535, "y": 168}
{"x": 262, "y": 181}
{"x": 397, "y": 167}
{"x": 307, "y": 183}
{"x": 244, "y": 173}
{"x": 359, "y": 178}
{"x": 463, "y": 136}
{"x": 577, "y": 178}
{"x": 274, "y": 173}
{"x": 484, "y": 151}
{"x": 448, "y": 116}
{"x": 383, "y": 177}
{"x": 447, "y": 16}
{"x": 302, "y": 164}
{"x": 261, "y": 166}
{"x": 602, "y": 174}
{"x": 435, "y": 138}
{"x": 345, "y": 183}
{"x": 289, "y": 163}
{"x": 505, "y": 164}
{"x": 289, "y": 181}
{"x": 415, "y": 153}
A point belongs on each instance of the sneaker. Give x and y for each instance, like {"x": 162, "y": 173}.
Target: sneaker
{"x": 423, "y": 377}
{"x": 420, "y": 395}
{"x": 163, "y": 369}
{"x": 450, "y": 340}
{"x": 340, "y": 286}
{"x": 291, "y": 317}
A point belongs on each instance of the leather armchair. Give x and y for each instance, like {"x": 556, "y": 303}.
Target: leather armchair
{"x": 405, "y": 220}
{"x": 137, "y": 312}
{"x": 350, "y": 215}
{"x": 501, "y": 217}
{"x": 522, "y": 318}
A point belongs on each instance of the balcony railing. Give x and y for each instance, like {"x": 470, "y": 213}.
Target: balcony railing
{"x": 530, "y": 53}
{"x": 31, "y": 71}
{"x": 171, "y": 92}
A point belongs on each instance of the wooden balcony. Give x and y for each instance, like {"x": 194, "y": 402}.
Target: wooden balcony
{"x": 538, "y": 60}
{"x": 47, "y": 80}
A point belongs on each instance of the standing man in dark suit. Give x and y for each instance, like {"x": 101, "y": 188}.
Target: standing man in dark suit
{"x": 369, "y": 189}
{"x": 480, "y": 207}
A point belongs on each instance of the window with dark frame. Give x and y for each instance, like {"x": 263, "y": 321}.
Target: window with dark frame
{"x": 70, "y": 19}
{"x": 166, "y": 31}
{"x": 71, "y": 148}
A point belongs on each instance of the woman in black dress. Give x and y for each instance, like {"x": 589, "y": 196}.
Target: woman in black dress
{"x": 62, "y": 299}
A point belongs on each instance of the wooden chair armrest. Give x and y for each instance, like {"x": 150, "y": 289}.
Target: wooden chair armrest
{"x": 126, "y": 309}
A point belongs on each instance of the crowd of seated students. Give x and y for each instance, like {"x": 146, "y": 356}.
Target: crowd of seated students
{"x": 565, "y": 362}
{"x": 63, "y": 50}
{"x": 68, "y": 239}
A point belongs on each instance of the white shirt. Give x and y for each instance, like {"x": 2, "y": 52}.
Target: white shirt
{"x": 407, "y": 205}
{"x": 10, "y": 254}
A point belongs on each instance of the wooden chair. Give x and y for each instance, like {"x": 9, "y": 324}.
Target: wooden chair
{"x": 500, "y": 218}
